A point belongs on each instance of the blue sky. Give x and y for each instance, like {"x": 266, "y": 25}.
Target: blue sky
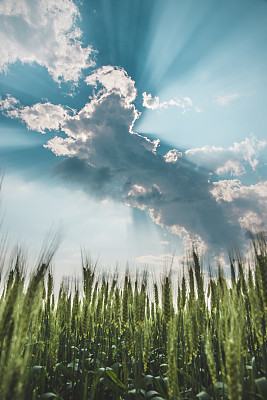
{"x": 136, "y": 126}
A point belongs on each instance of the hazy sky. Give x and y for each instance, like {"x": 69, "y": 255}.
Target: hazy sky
{"x": 136, "y": 126}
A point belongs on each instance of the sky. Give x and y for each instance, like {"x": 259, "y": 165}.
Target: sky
{"x": 137, "y": 128}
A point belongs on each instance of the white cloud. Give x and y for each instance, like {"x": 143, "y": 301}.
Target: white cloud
{"x": 247, "y": 204}
{"x": 39, "y": 117}
{"x": 203, "y": 150}
{"x": 252, "y": 222}
{"x": 233, "y": 159}
{"x": 226, "y": 190}
{"x": 249, "y": 149}
{"x": 45, "y": 32}
{"x": 225, "y": 99}
{"x": 194, "y": 241}
{"x": 153, "y": 103}
{"x": 234, "y": 167}
{"x": 230, "y": 190}
{"x": 109, "y": 112}
{"x": 114, "y": 79}
{"x": 172, "y": 156}
{"x": 134, "y": 192}
{"x": 189, "y": 239}
{"x": 9, "y": 103}
{"x": 62, "y": 146}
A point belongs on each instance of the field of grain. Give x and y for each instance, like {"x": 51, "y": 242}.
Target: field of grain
{"x": 119, "y": 337}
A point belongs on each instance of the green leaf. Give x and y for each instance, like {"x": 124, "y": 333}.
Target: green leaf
{"x": 116, "y": 366}
{"x": 221, "y": 387}
{"x": 137, "y": 392}
{"x": 151, "y": 394}
{"x": 100, "y": 371}
{"x": 204, "y": 396}
{"x": 108, "y": 383}
{"x": 67, "y": 373}
{"x": 112, "y": 374}
{"x": 148, "y": 380}
{"x": 132, "y": 391}
{"x": 148, "y": 377}
{"x": 69, "y": 386}
{"x": 160, "y": 385}
{"x": 74, "y": 367}
{"x": 48, "y": 395}
{"x": 187, "y": 376}
{"x": 158, "y": 398}
{"x": 37, "y": 368}
{"x": 262, "y": 386}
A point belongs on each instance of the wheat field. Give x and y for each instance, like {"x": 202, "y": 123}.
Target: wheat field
{"x": 199, "y": 337}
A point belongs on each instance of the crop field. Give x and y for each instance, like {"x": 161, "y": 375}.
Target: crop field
{"x": 119, "y": 337}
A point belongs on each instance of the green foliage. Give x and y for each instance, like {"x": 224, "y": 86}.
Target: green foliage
{"x": 103, "y": 340}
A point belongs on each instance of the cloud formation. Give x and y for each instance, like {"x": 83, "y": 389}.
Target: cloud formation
{"x": 234, "y": 160}
{"x": 115, "y": 80}
{"x": 108, "y": 159}
{"x": 248, "y": 204}
{"x": 44, "y": 32}
{"x": 231, "y": 190}
{"x": 39, "y": 117}
{"x": 153, "y": 103}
